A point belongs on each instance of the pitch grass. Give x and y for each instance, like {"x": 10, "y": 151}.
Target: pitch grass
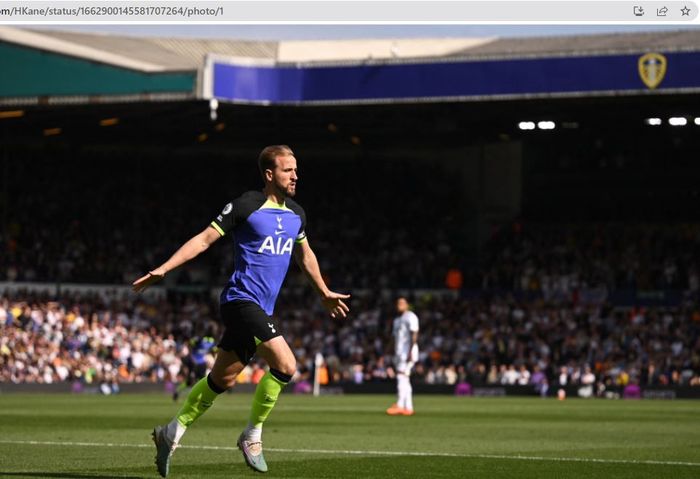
{"x": 485, "y": 435}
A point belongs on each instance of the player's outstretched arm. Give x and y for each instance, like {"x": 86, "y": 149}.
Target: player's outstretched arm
{"x": 333, "y": 302}
{"x": 193, "y": 247}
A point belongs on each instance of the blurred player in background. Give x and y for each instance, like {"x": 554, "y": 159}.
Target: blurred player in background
{"x": 406, "y": 343}
{"x": 268, "y": 228}
{"x": 198, "y": 362}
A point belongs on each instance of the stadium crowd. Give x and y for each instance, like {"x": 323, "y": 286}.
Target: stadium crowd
{"x": 137, "y": 220}
{"x": 556, "y": 260}
{"x": 145, "y": 208}
{"x": 519, "y": 315}
{"x": 132, "y": 227}
{"x": 105, "y": 338}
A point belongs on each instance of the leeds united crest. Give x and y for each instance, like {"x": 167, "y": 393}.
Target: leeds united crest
{"x": 652, "y": 68}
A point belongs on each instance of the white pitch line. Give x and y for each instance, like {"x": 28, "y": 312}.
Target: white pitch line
{"x": 350, "y": 452}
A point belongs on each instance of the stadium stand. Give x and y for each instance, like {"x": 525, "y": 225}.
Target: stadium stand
{"x": 144, "y": 225}
{"x": 494, "y": 341}
{"x": 559, "y": 258}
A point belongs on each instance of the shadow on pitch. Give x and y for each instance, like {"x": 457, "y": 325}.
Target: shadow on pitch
{"x": 305, "y": 467}
{"x": 65, "y": 475}
{"x": 373, "y": 467}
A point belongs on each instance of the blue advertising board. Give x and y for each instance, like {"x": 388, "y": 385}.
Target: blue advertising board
{"x": 458, "y": 79}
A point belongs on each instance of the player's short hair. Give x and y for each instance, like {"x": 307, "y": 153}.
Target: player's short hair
{"x": 266, "y": 160}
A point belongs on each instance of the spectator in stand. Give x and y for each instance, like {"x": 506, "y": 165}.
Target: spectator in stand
{"x": 96, "y": 338}
{"x": 86, "y": 246}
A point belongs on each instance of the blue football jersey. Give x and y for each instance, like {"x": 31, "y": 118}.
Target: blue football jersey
{"x": 264, "y": 234}
{"x": 200, "y": 349}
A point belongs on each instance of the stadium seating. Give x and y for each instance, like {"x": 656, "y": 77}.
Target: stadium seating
{"x": 502, "y": 341}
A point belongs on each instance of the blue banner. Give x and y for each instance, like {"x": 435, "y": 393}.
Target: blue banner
{"x": 459, "y": 79}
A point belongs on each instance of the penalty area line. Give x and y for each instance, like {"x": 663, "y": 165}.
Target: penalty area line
{"x": 351, "y": 452}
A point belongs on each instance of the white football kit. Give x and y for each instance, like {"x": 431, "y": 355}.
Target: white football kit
{"x": 404, "y": 327}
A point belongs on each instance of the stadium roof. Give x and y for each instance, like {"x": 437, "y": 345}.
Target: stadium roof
{"x": 187, "y": 54}
{"x": 166, "y": 53}
{"x": 668, "y": 41}
{"x": 46, "y": 67}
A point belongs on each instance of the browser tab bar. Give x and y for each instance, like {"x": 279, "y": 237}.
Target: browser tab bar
{"x": 348, "y": 12}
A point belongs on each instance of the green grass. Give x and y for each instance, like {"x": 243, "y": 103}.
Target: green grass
{"x": 478, "y": 437}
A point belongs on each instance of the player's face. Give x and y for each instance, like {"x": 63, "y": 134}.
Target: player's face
{"x": 401, "y": 305}
{"x": 284, "y": 176}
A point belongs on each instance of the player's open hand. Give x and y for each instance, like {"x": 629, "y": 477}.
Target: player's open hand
{"x": 145, "y": 281}
{"x": 333, "y": 302}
